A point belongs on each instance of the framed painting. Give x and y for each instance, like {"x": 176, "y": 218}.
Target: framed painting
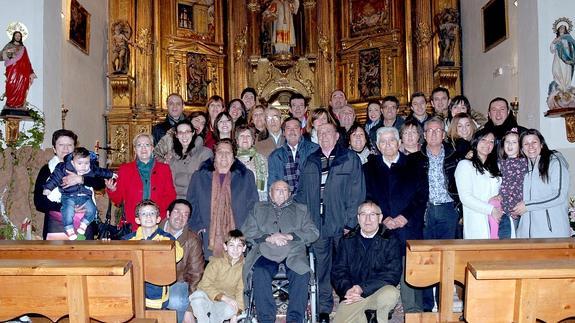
{"x": 79, "y": 26}
{"x": 368, "y": 17}
{"x": 495, "y": 25}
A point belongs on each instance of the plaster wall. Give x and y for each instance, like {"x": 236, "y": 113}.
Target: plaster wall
{"x": 66, "y": 75}
{"x": 526, "y": 62}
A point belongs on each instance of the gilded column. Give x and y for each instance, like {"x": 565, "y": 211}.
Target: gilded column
{"x": 422, "y": 35}
{"x": 254, "y": 50}
{"x": 310, "y": 27}
{"x": 144, "y": 63}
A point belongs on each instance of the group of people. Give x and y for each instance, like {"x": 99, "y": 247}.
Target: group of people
{"x": 243, "y": 175}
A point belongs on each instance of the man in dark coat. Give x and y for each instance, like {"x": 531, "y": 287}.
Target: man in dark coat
{"x": 398, "y": 184}
{"x": 332, "y": 186}
{"x": 279, "y": 230}
{"x": 366, "y": 269}
{"x": 175, "y": 104}
{"x": 501, "y": 120}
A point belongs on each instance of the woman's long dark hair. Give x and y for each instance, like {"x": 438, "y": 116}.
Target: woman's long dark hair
{"x": 218, "y": 118}
{"x": 455, "y": 101}
{"x": 544, "y": 156}
{"x": 178, "y": 148}
{"x": 490, "y": 163}
{"x": 196, "y": 114}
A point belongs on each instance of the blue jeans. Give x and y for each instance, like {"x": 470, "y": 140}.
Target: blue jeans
{"x": 178, "y": 301}
{"x": 69, "y": 202}
{"x": 440, "y": 223}
{"x": 263, "y": 272}
{"x": 505, "y": 226}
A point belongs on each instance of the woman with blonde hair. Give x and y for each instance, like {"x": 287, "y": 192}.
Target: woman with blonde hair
{"x": 460, "y": 133}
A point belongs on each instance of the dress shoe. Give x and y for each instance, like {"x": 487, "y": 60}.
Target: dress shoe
{"x": 371, "y": 316}
{"x": 323, "y": 318}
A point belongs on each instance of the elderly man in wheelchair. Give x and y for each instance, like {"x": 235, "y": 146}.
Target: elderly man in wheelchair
{"x": 279, "y": 230}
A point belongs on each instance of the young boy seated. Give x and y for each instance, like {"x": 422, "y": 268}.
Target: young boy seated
{"x": 219, "y": 296}
{"x": 82, "y": 162}
{"x": 148, "y": 218}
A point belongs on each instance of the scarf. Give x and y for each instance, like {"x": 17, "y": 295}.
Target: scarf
{"x": 145, "y": 171}
{"x": 221, "y": 217}
{"x": 250, "y": 156}
{"x": 291, "y": 169}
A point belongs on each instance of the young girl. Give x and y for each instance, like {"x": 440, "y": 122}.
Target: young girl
{"x": 513, "y": 166}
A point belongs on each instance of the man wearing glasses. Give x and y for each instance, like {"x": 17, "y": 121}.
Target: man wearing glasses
{"x": 440, "y": 161}
{"x": 366, "y": 269}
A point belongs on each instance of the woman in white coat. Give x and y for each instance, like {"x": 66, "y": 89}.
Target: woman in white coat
{"x": 478, "y": 180}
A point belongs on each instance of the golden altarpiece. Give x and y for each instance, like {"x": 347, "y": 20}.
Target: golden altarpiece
{"x": 199, "y": 48}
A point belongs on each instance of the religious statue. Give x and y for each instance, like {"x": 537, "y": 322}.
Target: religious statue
{"x": 447, "y": 24}
{"x": 280, "y": 13}
{"x": 19, "y": 72}
{"x": 121, "y": 34}
{"x": 561, "y": 92}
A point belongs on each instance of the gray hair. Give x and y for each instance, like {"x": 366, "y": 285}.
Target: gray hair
{"x": 436, "y": 119}
{"x": 383, "y": 130}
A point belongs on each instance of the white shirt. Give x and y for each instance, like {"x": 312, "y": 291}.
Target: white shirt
{"x": 276, "y": 138}
{"x": 388, "y": 163}
{"x": 293, "y": 150}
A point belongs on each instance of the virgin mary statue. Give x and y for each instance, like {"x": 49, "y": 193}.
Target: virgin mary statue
{"x": 563, "y": 49}
{"x": 19, "y": 72}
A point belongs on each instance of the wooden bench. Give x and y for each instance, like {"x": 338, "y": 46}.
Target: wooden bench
{"x": 520, "y": 290}
{"x": 152, "y": 261}
{"x": 430, "y": 262}
{"x": 83, "y": 289}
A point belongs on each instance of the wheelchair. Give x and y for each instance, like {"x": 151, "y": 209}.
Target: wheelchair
{"x": 280, "y": 291}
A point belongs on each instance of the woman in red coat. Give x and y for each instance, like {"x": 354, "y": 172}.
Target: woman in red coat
{"x": 144, "y": 178}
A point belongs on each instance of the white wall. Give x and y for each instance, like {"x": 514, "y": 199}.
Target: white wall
{"x": 65, "y": 74}
{"x": 479, "y": 67}
{"x": 527, "y": 51}
{"x": 84, "y": 83}
{"x": 30, "y": 13}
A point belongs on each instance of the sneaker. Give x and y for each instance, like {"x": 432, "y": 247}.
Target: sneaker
{"x": 71, "y": 234}
{"x": 82, "y": 228}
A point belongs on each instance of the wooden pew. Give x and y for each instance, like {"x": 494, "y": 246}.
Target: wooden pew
{"x": 444, "y": 261}
{"x": 520, "y": 290}
{"x": 152, "y": 261}
{"x": 84, "y": 289}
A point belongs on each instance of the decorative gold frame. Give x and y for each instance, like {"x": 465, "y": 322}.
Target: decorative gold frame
{"x": 85, "y": 17}
{"x": 487, "y": 6}
{"x": 191, "y": 33}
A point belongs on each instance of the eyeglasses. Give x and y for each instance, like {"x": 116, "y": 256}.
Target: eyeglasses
{"x": 434, "y": 131}
{"x": 273, "y": 118}
{"x": 140, "y": 146}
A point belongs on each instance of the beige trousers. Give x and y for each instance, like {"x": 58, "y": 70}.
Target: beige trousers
{"x": 383, "y": 301}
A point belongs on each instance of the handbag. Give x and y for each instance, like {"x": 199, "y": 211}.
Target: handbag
{"x": 108, "y": 231}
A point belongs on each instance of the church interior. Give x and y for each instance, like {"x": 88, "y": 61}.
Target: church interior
{"x": 104, "y": 68}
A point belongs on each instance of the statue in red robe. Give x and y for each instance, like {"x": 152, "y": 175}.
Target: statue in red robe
{"x": 19, "y": 72}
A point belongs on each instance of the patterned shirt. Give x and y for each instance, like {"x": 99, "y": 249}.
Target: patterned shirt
{"x": 437, "y": 183}
{"x": 513, "y": 172}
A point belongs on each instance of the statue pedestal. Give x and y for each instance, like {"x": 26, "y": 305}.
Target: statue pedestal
{"x": 13, "y": 118}
{"x": 569, "y": 115}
